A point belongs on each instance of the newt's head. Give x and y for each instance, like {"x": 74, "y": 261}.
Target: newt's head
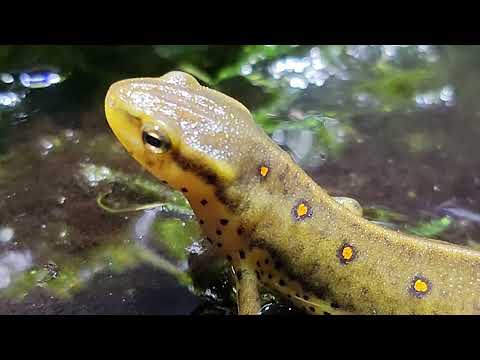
{"x": 177, "y": 128}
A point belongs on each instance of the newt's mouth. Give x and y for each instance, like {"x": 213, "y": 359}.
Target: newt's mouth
{"x": 125, "y": 126}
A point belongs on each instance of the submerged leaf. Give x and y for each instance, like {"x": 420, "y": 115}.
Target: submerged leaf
{"x": 175, "y": 236}
{"x": 93, "y": 175}
{"x": 432, "y": 228}
{"x": 383, "y": 215}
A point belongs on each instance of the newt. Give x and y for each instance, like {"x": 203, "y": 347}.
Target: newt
{"x": 260, "y": 211}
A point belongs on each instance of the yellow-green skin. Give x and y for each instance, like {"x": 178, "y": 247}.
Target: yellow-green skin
{"x": 281, "y": 224}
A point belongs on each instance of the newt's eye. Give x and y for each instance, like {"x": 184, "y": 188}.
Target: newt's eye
{"x": 156, "y": 141}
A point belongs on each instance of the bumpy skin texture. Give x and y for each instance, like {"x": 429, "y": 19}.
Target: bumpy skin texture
{"x": 258, "y": 207}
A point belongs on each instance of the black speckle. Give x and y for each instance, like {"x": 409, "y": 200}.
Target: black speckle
{"x": 306, "y": 297}
{"x": 239, "y": 231}
{"x": 219, "y": 245}
{"x": 311, "y": 308}
{"x": 289, "y": 296}
{"x": 184, "y": 190}
{"x": 229, "y": 258}
{"x": 209, "y": 240}
{"x": 267, "y": 261}
{"x": 258, "y": 275}
{"x": 326, "y": 313}
{"x": 239, "y": 275}
{"x": 278, "y": 265}
{"x": 224, "y": 221}
{"x": 204, "y": 202}
{"x": 297, "y": 295}
{"x": 270, "y": 276}
{"x": 219, "y": 232}
{"x": 201, "y": 222}
{"x": 164, "y": 182}
{"x": 262, "y": 272}
{"x": 281, "y": 282}
{"x": 258, "y": 264}
{"x": 242, "y": 254}
{"x": 334, "y": 305}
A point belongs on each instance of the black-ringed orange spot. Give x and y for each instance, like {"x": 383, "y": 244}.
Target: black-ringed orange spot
{"x": 346, "y": 253}
{"x": 420, "y": 286}
{"x": 263, "y": 170}
{"x": 301, "y": 210}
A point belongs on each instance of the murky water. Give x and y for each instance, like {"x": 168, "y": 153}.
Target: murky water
{"x": 395, "y": 127}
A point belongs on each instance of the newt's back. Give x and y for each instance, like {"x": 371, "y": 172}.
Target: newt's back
{"x": 257, "y": 207}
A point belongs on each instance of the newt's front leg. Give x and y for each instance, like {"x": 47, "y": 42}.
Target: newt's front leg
{"x": 248, "y": 296}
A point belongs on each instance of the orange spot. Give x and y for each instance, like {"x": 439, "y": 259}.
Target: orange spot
{"x": 347, "y": 252}
{"x": 264, "y": 171}
{"x": 420, "y": 286}
{"x": 302, "y": 210}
